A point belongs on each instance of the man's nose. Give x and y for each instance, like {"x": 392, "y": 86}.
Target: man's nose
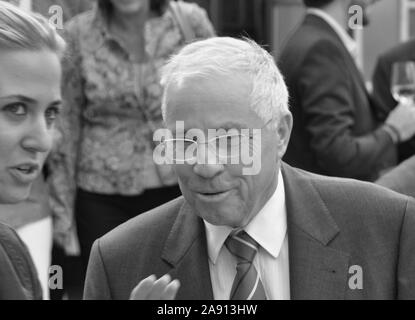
{"x": 207, "y": 165}
{"x": 39, "y": 138}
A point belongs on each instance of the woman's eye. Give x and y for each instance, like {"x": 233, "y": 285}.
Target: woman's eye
{"x": 17, "y": 109}
{"x": 51, "y": 114}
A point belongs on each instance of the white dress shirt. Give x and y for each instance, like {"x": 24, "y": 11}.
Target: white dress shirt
{"x": 269, "y": 229}
{"x": 347, "y": 40}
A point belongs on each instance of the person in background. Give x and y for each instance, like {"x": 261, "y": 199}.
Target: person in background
{"x": 381, "y": 80}
{"x": 70, "y": 8}
{"x": 113, "y": 97}
{"x": 30, "y": 101}
{"x": 335, "y": 130}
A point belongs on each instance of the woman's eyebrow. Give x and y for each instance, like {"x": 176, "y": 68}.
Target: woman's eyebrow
{"x": 19, "y": 97}
{"x": 56, "y": 103}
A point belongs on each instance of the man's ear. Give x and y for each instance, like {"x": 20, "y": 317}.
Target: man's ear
{"x": 283, "y": 133}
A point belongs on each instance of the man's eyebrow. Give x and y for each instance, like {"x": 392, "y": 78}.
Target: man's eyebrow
{"x": 234, "y": 125}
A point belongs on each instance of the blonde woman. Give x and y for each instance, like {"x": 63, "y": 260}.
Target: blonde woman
{"x": 30, "y": 101}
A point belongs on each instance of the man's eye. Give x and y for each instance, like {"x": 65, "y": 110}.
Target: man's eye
{"x": 233, "y": 140}
{"x": 17, "y": 109}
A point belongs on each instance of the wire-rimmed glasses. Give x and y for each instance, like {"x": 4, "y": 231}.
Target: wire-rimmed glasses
{"x": 227, "y": 148}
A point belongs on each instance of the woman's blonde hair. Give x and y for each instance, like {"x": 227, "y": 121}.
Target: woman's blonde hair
{"x": 20, "y": 30}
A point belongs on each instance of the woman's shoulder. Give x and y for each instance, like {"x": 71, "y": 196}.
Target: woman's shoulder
{"x": 12, "y": 245}
{"x": 8, "y": 234}
{"x": 198, "y": 19}
{"x": 81, "y": 22}
{"x": 16, "y": 256}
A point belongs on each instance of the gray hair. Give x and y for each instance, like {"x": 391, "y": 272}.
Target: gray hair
{"x": 20, "y": 30}
{"x": 227, "y": 56}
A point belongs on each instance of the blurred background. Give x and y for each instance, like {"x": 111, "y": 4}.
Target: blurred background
{"x": 269, "y": 22}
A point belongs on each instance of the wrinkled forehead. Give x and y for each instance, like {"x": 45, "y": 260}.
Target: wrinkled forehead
{"x": 211, "y": 103}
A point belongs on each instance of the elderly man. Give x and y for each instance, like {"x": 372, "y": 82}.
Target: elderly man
{"x": 256, "y": 229}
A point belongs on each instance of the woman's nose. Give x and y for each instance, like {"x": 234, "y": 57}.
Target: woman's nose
{"x": 39, "y": 137}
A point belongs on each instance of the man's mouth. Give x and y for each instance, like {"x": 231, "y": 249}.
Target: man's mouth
{"x": 213, "y": 196}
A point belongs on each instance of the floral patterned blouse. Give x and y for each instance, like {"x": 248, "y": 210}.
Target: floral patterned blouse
{"x": 113, "y": 106}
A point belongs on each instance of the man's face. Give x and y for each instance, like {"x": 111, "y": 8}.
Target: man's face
{"x": 220, "y": 193}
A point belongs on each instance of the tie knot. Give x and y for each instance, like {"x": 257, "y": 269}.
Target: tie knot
{"x": 242, "y": 246}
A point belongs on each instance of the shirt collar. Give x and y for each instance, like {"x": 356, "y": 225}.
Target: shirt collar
{"x": 268, "y": 227}
{"x": 347, "y": 40}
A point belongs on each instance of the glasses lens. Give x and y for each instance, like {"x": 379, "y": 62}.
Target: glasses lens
{"x": 228, "y": 146}
{"x": 181, "y": 149}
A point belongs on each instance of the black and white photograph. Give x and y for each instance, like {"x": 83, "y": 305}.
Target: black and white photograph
{"x": 208, "y": 150}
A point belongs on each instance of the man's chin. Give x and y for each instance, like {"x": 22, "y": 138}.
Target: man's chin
{"x": 219, "y": 214}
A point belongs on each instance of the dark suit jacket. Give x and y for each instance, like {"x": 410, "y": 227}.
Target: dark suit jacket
{"x": 333, "y": 224}
{"x": 382, "y": 88}
{"x": 401, "y": 179}
{"x": 335, "y": 131}
{"x": 18, "y": 276}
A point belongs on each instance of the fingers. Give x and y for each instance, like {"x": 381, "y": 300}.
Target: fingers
{"x": 152, "y": 288}
{"x": 171, "y": 290}
{"x": 159, "y": 287}
{"x": 143, "y": 289}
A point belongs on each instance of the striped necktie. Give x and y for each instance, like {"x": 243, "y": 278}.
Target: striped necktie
{"x": 247, "y": 285}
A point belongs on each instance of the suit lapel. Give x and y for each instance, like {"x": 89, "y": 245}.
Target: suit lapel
{"x": 317, "y": 271}
{"x": 186, "y": 251}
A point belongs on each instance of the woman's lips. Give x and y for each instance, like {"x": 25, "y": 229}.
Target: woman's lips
{"x": 25, "y": 174}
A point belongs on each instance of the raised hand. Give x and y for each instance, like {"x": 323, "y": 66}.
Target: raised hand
{"x": 152, "y": 288}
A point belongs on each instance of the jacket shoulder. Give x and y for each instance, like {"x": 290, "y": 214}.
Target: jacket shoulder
{"x": 361, "y": 201}
{"x": 305, "y": 36}
{"x": 306, "y": 41}
{"x": 147, "y": 227}
{"x": 352, "y": 197}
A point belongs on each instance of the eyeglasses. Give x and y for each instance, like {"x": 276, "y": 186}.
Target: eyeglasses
{"x": 223, "y": 148}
